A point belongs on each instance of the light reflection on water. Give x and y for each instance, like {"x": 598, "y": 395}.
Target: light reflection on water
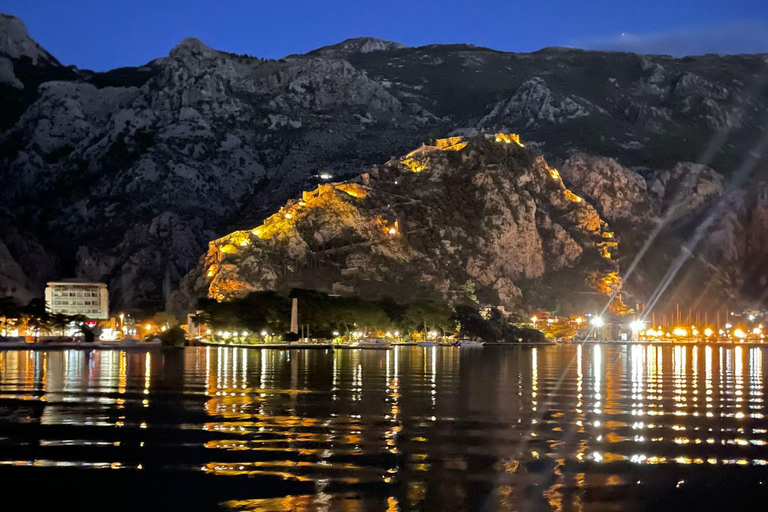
{"x": 554, "y": 427}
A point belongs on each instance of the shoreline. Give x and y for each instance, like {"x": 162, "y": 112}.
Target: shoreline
{"x": 80, "y": 346}
{"x": 279, "y": 346}
{"x": 329, "y": 346}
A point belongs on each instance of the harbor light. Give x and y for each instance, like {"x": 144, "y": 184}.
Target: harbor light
{"x": 263, "y": 333}
{"x": 597, "y": 321}
{"x": 680, "y": 332}
{"x": 335, "y": 333}
{"x": 708, "y": 332}
{"x": 739, "y": 333}
{"x": 636, "y": 325}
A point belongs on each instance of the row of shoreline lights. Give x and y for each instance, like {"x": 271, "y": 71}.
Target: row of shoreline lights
{"x": 637, "y": 327}
{"x": 227, "y": 334}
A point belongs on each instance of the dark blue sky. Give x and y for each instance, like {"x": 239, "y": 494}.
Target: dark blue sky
{"x": 106, "y": 34}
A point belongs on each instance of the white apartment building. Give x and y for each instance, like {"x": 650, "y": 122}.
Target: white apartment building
{"x": 78, "y": 298}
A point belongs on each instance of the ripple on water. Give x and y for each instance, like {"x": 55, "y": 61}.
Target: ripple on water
{"x": 588, "y": 427}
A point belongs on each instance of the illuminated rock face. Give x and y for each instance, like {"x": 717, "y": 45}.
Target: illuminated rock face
{"x": 688, "y": 219}
{"x": 617, "y": 192}
{"x": 477, "y": 210}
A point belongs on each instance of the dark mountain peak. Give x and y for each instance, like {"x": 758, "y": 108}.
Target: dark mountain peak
{"x": 16, "y": 43}
{"x": 560, "y": 49}
{"x": 192, "y": 47}
{"x": 356, "y": 45}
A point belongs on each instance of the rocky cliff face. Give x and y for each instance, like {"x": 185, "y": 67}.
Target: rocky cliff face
{"x": 685, "y": 223}
{"x": 485, "y": 219}
{"x": 125, "y": 176}
{"x": 481, "y": 215}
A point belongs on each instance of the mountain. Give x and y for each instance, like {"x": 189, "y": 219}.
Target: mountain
{"x": 483, "y": 219}
{"x": 125, "y": 176}
{"x": 455, "y": 219}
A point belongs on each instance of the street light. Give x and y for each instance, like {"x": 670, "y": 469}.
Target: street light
{"x": 597, "y": 321}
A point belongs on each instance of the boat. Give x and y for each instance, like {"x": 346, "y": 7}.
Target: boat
{"x": 427, "y": 344}
{"x": 470, "y": 343}
{"x": 372, "y": 342}
{"x": 127, "y": 343}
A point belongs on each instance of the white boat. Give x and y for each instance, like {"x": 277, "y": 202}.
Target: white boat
{"x": 372, "y": 342}
{"x": 427, "y": 344}
{"x": 470, "y": 343}
{"x": 127, "y": 343}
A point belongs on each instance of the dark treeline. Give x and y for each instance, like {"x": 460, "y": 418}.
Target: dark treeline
{"x": 495, "y": 329}
{"x": 323, "y": 315}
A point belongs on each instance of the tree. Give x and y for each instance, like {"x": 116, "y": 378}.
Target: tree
{"x": 349, "y": 312}
{"x": 559, "y": 329}
{"x": 429, "y": 315}
{"x": 59, "y": 322}
{"x": 88, "y": 334}
{"x": 10, "y": 313}
{"x": 497, "y": 328}
{"x": 394, "y": 310}
{"x": 255, "y": 312}
{"x": 37, "y": 316}
{"x": 174, "y": 337}
{"x": 518, "y": 317}
{"x": 163, "y": 318}
{"x": 316, "y": 309}
{"x": 470, "y": 289}
{"x": 473, "y": 325}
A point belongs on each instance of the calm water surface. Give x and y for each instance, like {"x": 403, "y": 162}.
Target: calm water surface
{"x": 593, "y": 427}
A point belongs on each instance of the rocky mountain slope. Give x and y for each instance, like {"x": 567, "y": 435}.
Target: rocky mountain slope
{"x": 464, "y": 220}
{"x": 125, "y": 176}
{"x": 483, "y": 219}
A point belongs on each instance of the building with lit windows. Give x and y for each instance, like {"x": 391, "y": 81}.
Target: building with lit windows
{"x": 78, "y": 298}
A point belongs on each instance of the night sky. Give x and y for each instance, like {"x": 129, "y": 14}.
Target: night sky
{"x": 106, "y": 34}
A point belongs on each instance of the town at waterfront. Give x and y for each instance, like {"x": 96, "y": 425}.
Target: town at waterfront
{"x": 76, "y": 313}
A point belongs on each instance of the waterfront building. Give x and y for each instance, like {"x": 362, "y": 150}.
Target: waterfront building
{"x": 73, "y": 297}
